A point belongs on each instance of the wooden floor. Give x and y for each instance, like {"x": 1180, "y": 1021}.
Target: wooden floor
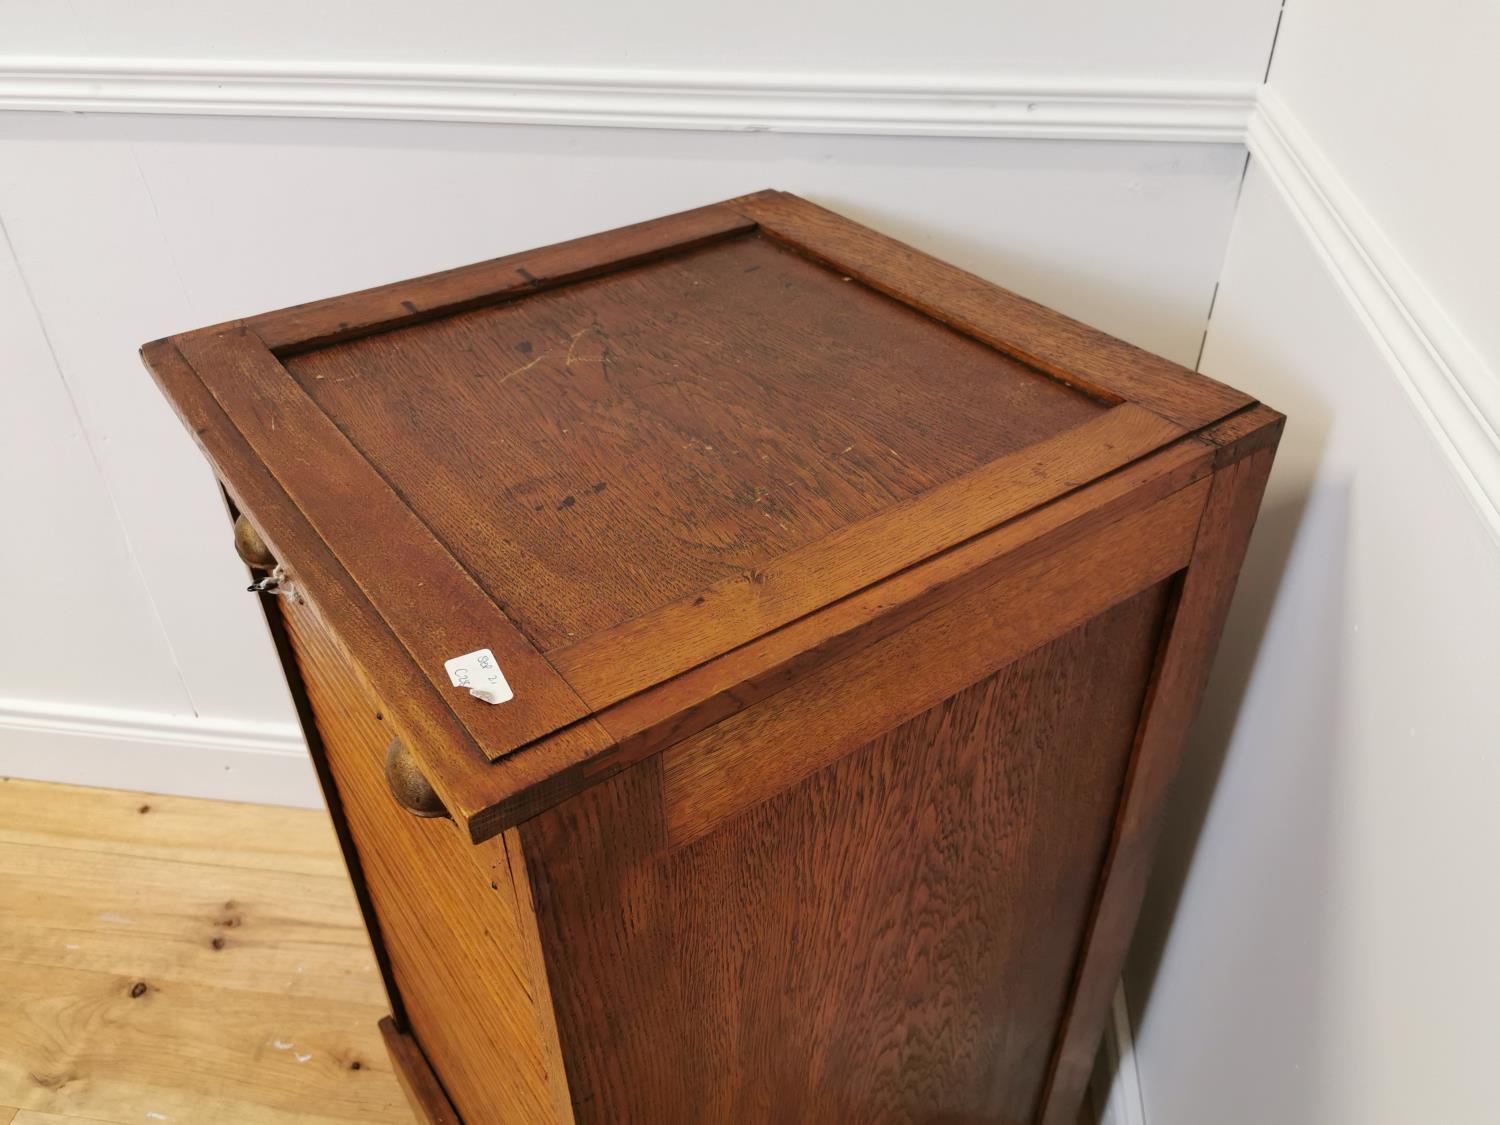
{"x": 173, "y": 960}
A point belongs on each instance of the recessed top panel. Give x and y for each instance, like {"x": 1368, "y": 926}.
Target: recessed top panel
{"x": 595, "y": 452}
{"x": 654, "y": 471}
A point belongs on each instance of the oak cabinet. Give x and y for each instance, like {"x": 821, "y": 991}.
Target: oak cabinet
{"x": 842, "y": 616}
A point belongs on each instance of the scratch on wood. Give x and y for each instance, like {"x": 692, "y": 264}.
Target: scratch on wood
{"x": 524, "y": 367}
{"x": 573, "y": 344}
{"x": 606, "y": 352}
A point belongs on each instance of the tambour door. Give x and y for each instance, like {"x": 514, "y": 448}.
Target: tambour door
{"x": 449, "y": 919}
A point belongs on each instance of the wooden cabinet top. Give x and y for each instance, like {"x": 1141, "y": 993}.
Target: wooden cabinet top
{"x": 630, "y": 463}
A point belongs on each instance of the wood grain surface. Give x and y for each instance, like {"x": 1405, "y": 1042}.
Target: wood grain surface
{"x": 1177, "y": 685}
{"x": 350, "y": 315}
{"x": 764, "y": 749}
{"x": 170, "y": 959}
{"x": 720, "y": 688}
{"x": 447, "y": 912}
{"x": 426, "y": 598}
{"x": 855, "y": 608}
{"x": 1068, "y": 350}
{"x": 716, "y": 423}
{"x": 612, "y": 665}
{"x": 882, "y": 941}
{"x": 452, "y": 762}
{"x": 413, "y": 1071}
{"x": 648, "y": 434}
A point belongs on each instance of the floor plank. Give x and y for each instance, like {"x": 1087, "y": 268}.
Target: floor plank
{"x": 140, "y": 824}
{"x": 202, "y": 965}
{"x": 282, "y": 932}
{"x": 199, "y": 962}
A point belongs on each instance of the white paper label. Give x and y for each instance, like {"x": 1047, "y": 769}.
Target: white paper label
{"x": 480, "y": 673}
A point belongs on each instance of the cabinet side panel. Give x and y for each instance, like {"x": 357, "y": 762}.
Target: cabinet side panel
{"x": 891, "y": 938}
{"x": 448, "y": 914}
{"x": 1185, "y": 659}
{"x": 765, "y": 748}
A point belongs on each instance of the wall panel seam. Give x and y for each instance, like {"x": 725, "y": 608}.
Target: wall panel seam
{"x": 89, "y": 443}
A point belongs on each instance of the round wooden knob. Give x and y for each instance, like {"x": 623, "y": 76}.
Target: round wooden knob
{"x": 251, "y": 547}
{"x": 408, "y": 785}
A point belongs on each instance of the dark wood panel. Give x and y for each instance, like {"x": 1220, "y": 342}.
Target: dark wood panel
{"x": 385, "y": 307}
{"x": 607, "y": 667}
{"x": 710, "y": 433}
{"x": 1043, "y": 337}
{"x": 855, "y": 608}
{"x": 650, "y": 433}
{"x": 889, "y": 940}
{"x": 1177, "y": 688}
{"x": 764, "y": 749}
{"x": 414, "y": 1073}
{"x": 721, "y": 688}
{"x": 451, "y": 761}
{"x": 549, "y": 771}
{"x": 1252, "y": 430}
{"x": 427, "y": 599}
{"x": 611, "y": 945}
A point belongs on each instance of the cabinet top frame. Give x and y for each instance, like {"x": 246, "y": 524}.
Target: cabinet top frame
{"x": 652, "y": 466}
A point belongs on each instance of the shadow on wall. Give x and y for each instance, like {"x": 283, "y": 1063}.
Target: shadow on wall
{"x": 1039, "y": 273}
{"x": 1256, "y": 795}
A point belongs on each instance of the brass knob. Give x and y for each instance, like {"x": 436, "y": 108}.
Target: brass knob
{"x": 251, "y": 547}
{"x": 408, "y": 785}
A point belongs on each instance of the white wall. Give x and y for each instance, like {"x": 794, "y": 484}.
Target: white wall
{"x": 65, "y": 557}
{"x": 128, "y": 228}
{"x": 1154, "y": 40}
{"x": 144, "y": 210}
{"x": 1331, "y": 957}
{"x": 1319, "y": 945}
{"x": 1400, "y": 98}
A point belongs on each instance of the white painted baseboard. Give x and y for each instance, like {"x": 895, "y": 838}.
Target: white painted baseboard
{"x": 1451, "y": 386}
{"x": 637, "y": 98}
{"x": 156, "y": 753}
